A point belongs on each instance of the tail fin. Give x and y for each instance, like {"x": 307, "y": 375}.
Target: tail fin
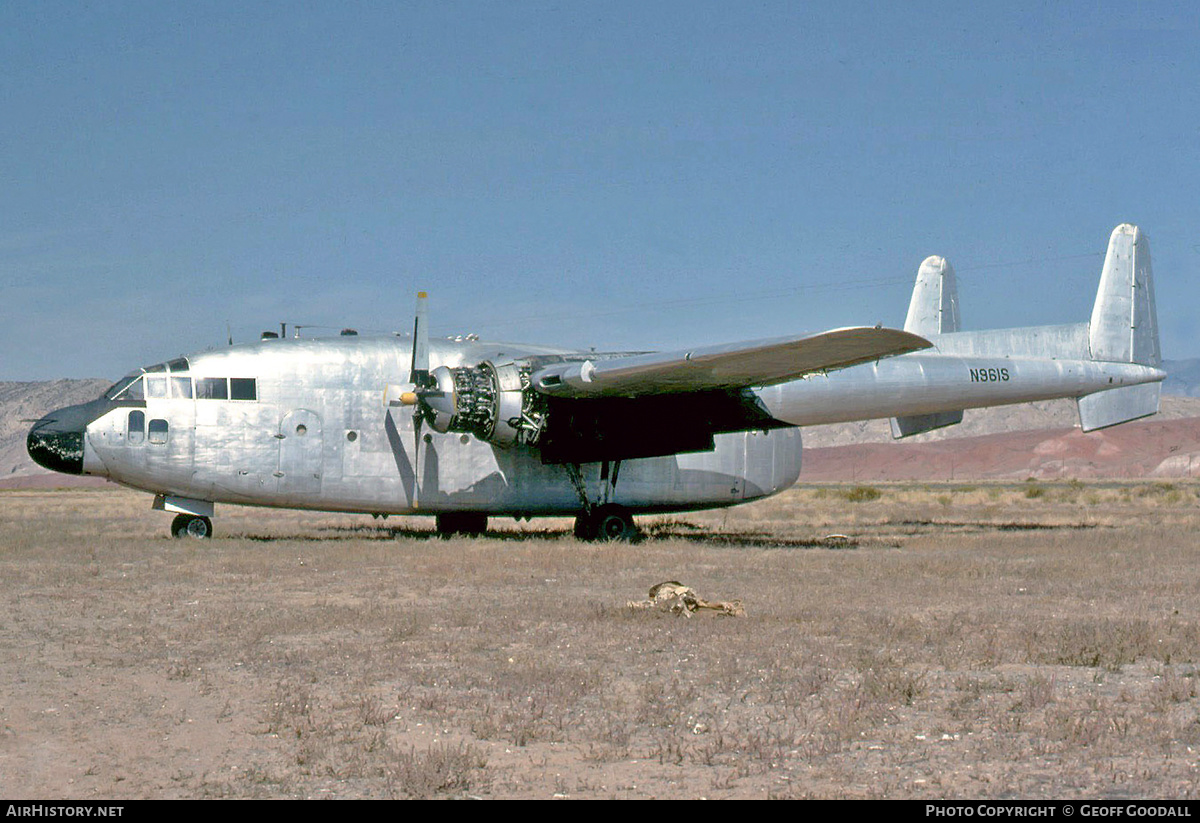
{"x": 932, "y": 310}
{"x": 1123, "y": 329}
{"x": 934, "y": 305}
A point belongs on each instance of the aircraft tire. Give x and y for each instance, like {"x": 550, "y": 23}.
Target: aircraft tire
{"x": 190, "y": 525}
{"x": 462, "y": 523}
{"x": 613, "y": 524}
{"x": 585, "y": 527}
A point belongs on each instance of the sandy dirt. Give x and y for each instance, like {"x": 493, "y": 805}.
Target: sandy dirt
{"x": 1031, "y": 640}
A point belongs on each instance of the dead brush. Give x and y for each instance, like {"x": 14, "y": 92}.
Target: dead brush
{"x": 860, "y": 494}
{"x": 1036, "y": 692}
{"x": 372, "y": 712}
{"x": 885, "y": 679}
{"x": 1171, "y": 688}
{"x": 440, "y": 769}
{"x": 291, "y": 709}
{"x": 1003, "y": 645}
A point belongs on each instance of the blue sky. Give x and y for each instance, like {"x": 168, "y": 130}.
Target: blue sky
{"x": 618, "y": 175}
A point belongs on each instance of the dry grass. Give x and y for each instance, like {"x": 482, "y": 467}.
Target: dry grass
{"x": 963, "y": 641}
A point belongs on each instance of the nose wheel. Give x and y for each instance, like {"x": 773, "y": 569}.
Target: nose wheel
{"x": 190, "y": 525}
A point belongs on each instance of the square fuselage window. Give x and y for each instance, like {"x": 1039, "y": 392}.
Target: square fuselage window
{"x": 212, "y": 388}
{"x": 242, "y": 388}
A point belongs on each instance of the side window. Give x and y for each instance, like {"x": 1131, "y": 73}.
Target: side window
{"x": 136, "y": 431}
{"x": 158, "y": 431}
{"x": 225, "y": 388}
{"x": 181, "y": 387}
{"x": 212, "y": 388}
{"x": 242, "y": 388}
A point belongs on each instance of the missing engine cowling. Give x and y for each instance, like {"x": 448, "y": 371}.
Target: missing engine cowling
{"x": 495, "y": 403}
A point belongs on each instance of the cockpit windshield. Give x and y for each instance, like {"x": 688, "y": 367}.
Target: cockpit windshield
{"x": 130, "y": 386}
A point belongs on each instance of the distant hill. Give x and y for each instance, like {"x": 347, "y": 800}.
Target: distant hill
{"x": 1183, "y": 377}
{"x": 1043, "y": 415}
{"x": 21, "y": 402}
{"x": 1155, "y": 447}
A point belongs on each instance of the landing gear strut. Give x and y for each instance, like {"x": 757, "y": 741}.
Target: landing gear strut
{"x": 605, "y": 524}
{"x": 190, "y": 525}
{"x": 608, "y": 521}
{"x": 465, "y": 523}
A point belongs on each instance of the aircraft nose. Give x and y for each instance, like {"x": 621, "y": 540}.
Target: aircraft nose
{"x": 56, "y": 442}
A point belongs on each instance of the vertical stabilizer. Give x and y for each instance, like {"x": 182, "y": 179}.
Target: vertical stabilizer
{"x": 1123, "y": 329}
{"x": 1124, "y": 325}
{"x": 934, "y": 305}
{"x": 933, "y": 310}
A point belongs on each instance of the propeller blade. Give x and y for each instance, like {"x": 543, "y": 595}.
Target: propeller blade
{"x": 419, "y": 371}
{"x": 418, "y": 420}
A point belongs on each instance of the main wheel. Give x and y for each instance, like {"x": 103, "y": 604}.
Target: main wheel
{"x": 190, "y": 525}
{"x": 585, "y": 527}
{"x": 607, "y": 524}
{"x": 467, "y": 523}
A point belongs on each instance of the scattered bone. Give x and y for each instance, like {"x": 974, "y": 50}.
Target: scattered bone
{"x": 678, "y": 599}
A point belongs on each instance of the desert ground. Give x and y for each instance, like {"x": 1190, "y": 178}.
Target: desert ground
{"x": 985, "y": 640}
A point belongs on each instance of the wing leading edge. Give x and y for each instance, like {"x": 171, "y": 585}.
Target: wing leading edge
{"x": 756, "y": 363}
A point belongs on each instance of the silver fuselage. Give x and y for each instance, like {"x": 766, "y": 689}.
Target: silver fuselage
{"x": 320, "y": 434}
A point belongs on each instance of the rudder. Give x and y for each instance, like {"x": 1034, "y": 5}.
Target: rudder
{"x": 1124, "y": 324}
{"x": 932, "y": 310}
{"x": 1123, "y": 329}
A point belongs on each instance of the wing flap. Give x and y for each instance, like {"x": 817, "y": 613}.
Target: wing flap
{"x": 756, "y": 363}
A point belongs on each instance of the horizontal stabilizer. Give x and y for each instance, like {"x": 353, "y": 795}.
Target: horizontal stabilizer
{"x": 919, "y": 423}
{"x": 755, "y": 363}
{"x": 1108, "y": 408}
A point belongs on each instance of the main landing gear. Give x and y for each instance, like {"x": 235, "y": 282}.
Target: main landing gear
{"x": 468, "y": 524}
{"x": 602, "y": 520}
{"x": 191, "y": 525}
{"x": 605, "y": 524}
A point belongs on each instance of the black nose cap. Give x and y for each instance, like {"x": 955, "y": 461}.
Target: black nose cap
{"x": 55, "y": 447}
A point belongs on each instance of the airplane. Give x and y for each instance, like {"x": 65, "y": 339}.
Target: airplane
{"x": 464, "y": 429}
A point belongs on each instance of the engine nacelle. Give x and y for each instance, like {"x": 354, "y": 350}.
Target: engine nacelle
{"x": 494, "y": 403}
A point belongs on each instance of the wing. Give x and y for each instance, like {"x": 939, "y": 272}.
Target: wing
{"x": 756, "y": 363}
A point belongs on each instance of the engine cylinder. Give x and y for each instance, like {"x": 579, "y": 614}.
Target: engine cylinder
{"x": 485, "y": 400}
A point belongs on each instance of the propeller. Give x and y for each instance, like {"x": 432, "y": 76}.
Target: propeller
{"x": 419, "y": 389}
{"x": 418, "y": 373}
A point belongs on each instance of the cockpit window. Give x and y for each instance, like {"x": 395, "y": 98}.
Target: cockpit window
{"x": 128, "y": 387}
{"x": 155, "y": 386}
{"x": 131, "y": 387}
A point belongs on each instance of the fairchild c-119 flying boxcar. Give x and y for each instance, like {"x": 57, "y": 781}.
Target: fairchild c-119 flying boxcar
{"x": 465, "y": 429}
